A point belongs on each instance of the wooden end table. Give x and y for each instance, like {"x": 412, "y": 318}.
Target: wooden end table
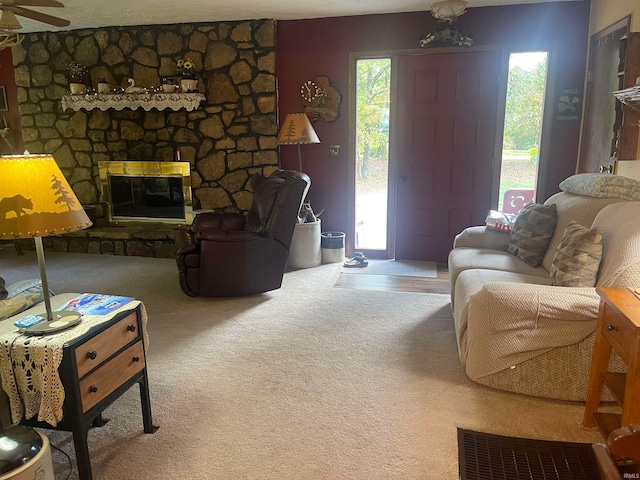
{"x": 96, "y": 369}
{"x": 618, "y": 329}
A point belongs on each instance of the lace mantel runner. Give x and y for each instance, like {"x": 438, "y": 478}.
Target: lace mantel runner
{"x": 120, "y": 101}
{"x": 29, "y": 366}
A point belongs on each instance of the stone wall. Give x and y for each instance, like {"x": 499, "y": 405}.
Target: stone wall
{"x": 231, "y": 136}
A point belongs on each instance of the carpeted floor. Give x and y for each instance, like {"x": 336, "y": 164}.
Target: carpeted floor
{"x": 306, "y": 382}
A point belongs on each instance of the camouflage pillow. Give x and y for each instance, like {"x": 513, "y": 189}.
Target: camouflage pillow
{"x": 3, "y": 290}
{"x": 577, "y": 259}
{"x": 532, "y": 232}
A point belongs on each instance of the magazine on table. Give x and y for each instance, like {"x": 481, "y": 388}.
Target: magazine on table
{"x": 95, "y": 303}
{"x": 85, "y": 304}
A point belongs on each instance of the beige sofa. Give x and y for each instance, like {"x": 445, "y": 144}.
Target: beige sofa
{"x": 515, "y": 331}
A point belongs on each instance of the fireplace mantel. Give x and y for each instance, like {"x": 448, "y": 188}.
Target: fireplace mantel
{"x": 132, "y": 101}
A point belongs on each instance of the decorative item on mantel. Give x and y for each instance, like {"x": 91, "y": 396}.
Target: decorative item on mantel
{"x": 103, "y": 86}
{"x": 188, "y": 82}
{"x": 447, "y": 36}
{"x": 132, "y": 87}
{"x": 77, "y": 78}
{"x": 168, "y": 85}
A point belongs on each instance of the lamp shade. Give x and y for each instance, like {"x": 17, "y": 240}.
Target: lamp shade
{"x": 297, "y": 130}
{"x": 36, "y": 200}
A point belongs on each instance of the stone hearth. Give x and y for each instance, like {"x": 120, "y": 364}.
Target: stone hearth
{"x": 148, "y": 240}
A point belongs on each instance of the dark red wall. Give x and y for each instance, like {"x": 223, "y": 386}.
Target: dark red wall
{"x": 308, "y": 48}
{"x": 12, "y": 116}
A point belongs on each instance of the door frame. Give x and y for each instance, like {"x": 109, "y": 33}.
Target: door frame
{"x": 499, "y": 131}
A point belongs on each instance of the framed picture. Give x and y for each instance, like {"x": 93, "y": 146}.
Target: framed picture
{"x": 3, "y": 100}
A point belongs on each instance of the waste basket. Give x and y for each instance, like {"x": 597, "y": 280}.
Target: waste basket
{"x": 304, "y": 251}
{"x": 332, "y": 246}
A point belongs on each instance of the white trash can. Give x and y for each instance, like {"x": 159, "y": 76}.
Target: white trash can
{"x": 332, "y": 246}
{"x": 29, "y": 457}
{"x": 304, "y": 251}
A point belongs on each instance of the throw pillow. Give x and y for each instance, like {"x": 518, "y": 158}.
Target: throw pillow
{"x": 14, "y": 305}
{"x": 577, "y": 259}
{"x": 532, "y": 231}
{"x": 602, "y": 185}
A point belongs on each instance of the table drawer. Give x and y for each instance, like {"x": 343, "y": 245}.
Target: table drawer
{"x": 111, "y": 375}
{"x": 95, "y": 351}
{"x": 618, "y": 333}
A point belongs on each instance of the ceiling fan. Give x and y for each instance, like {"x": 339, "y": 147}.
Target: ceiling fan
{"x": 11, "y": 8}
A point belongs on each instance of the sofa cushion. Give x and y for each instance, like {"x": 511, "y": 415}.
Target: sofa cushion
{"x": 466, "y": 258}
{"x": 577, "y": 258}
{"x": 602, "y": 185}
{"x": 471, "y": 282}
{"x": 532, "y": 232}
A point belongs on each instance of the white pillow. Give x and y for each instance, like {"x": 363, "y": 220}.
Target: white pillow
{"x": 602, "y": 185}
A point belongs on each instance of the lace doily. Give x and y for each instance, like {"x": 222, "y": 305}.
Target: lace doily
{"x": 120, "y": 101}
{"x": 29, "y": 367}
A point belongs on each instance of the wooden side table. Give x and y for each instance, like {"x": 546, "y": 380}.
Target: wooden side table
{"x": 618, "y": 329}
{"x": 96, "y": 369}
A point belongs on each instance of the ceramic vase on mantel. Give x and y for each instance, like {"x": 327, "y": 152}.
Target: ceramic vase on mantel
{"x": 188, "y": 83}
{"x": 77, "y": 88}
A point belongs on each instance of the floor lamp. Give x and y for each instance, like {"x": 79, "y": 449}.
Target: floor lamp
{"x": 297, "y": 130}
{"x": 36, "y": 201}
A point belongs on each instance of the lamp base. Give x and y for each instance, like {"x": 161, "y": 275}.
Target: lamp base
{"x": 61, "y": 321}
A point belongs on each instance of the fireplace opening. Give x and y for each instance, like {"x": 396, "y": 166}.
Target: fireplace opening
{"x": 147, "y": 192}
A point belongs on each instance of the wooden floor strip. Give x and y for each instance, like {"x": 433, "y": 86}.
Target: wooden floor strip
{"x": 396, "y": 283}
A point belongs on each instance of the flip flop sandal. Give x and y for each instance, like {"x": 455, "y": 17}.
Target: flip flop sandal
{"x": 357, "y": 261}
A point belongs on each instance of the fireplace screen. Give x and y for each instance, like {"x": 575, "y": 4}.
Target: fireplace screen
{"x": 147, "y": 192}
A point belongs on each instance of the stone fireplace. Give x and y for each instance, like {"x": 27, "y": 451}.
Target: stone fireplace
{"x": 228, "y": 138}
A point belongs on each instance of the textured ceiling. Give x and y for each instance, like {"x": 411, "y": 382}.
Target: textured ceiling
{"x": 104, "y": 13}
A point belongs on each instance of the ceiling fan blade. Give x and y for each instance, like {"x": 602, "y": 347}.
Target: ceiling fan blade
{"x": 31, "y": 3}
{"x": 40, "y": 17}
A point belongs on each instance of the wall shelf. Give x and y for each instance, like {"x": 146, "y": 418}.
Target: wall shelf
{"x": 132, "y": 101}
{"x": 629, "y": 96}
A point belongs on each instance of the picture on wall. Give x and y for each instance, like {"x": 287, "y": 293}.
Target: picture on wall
{"x": 3, "y": 100}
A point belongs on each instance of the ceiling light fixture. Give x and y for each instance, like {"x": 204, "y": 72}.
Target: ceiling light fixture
{"x": 448, "y": 10}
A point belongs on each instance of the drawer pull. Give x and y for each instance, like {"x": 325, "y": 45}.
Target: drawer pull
{"x": 92, "y": 355}
{"x": 611, "y": 328}
{"x": 93, "y": 389}
{"x": 136, "y": 358}
{"x": 131, "y": 328}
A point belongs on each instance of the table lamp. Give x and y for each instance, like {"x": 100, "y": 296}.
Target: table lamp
{"x": 297, "y": 130}
{"x": 36, "y": 201}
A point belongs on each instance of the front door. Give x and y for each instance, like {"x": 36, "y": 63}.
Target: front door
{"x": 446, "y": 145}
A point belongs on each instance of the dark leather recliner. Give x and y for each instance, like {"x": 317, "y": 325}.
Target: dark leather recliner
{"x": 230, "y": 254}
